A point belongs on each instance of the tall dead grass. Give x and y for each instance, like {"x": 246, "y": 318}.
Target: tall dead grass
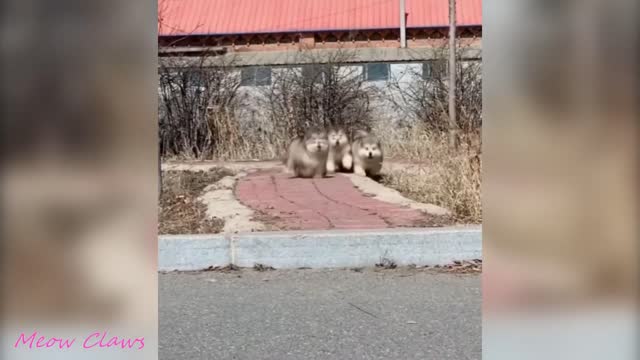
{"x": 180, "y": 211}
{"x": 441, "y": 176}
{"x": 237, "y": 142}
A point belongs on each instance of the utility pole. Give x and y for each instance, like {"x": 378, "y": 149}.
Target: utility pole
{"x": 453, "y": 124}
{"x": 403, "y": 24}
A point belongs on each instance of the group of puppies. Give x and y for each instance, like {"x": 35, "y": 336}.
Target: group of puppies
{"x": 322, "y": 152}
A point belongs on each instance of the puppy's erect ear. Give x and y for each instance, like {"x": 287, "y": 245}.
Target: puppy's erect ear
{"x": 317, "y": 131}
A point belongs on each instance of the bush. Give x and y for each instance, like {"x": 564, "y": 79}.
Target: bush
{"x": 201, "y": 107}
{"x": 444, "y": 177}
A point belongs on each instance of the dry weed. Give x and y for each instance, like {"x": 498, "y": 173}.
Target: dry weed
{"x": 180, "y": 211}
{"x": 443, "y": 176}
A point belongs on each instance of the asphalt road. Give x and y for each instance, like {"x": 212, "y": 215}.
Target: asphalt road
{"x": 320, "y": 314}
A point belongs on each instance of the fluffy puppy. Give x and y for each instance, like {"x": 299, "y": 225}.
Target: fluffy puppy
{"x": 367, "y": 154}
{"x": 307, "y": 156}
{"x": 339, "y": 158}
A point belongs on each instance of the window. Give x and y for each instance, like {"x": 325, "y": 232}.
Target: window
{"x": 192, "y": 79}
{"x": 434, "y": 69}
{"x": 315, "y": 73}
{"x": 255, "y": 76}
{"x": 263, "y": 76}
{"x": 196, "y": 78}
{"x": 376, "y": 72}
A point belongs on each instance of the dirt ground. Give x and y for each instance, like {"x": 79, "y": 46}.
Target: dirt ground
{"x": 180, "y": 211}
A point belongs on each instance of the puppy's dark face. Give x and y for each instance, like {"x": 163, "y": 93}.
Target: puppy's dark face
{"x": 338, "y": 137}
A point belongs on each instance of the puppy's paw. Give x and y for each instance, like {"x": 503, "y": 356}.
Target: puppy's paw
{"x": 347, "y": 162}
{"x": 331, "y": 167}
{"x": 358, "y": 170}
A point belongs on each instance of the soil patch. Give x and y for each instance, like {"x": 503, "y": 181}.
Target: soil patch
{"x": 180, "y": 211}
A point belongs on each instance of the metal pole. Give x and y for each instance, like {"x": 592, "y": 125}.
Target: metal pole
{"x": 403, "y": 24}
{"x": 453, "y": 124}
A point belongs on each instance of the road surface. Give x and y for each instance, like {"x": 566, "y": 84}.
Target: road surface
{"x": 320, "y": 314}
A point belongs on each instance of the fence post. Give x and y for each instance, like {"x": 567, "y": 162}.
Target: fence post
{"x": 403, "y": 24}
{"x": 453, "y": 124}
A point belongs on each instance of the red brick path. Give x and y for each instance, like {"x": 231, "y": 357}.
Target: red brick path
{"x": 319, "y": 204}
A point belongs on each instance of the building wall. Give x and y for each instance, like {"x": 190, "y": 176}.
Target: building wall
{"x": 387, "y": 107}
{"x": 401, "y": 75}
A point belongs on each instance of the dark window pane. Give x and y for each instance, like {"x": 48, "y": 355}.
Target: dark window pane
{"x": 195, "y": 78}
{"x": 247, "y": 76}
{"x": 427, "y": 71}
{"x": 434, "y": 69}
{"x": 314, "y": 73}
{"x": 377, "y": 72}
{"x": 263, "y": 76}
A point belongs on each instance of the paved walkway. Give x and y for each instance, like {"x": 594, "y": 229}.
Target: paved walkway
{"x": 320, "y": 204}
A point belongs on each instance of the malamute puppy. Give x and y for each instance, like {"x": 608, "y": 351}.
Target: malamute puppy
{"x": 307, "y": 156}
{"x": 367, "y": 154}
{"x": 339, "y": 158}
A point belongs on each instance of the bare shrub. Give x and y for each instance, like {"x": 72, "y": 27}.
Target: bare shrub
{"x": 203, "y": 110}
{"x": 197, "y": 107}
{"x": 323, "y": 93}
{"x": 421, "y": 95}
{"x": 444, "y": 176}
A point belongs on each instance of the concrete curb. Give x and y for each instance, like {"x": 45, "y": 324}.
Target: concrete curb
{"x": 321, "y": 249}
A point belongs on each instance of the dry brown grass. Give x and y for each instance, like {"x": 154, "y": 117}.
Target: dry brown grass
{"x": 180, "y": 211}
{"x": 442, "y": 176}
{"x": 459, "y": 267}
{"x": 233, "y": 141}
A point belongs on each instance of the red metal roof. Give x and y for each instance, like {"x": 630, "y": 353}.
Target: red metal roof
{"x": 181, "y": 17}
